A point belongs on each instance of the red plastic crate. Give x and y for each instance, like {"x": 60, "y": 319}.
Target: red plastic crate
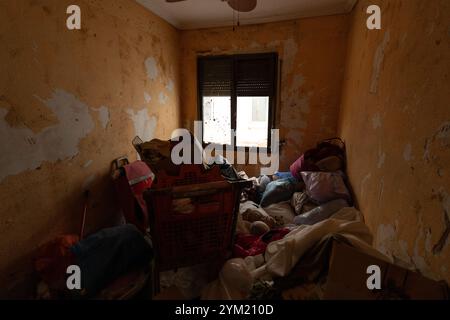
{"x": 203, "y": 235}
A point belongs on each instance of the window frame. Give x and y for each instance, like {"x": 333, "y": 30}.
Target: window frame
{"x": 272, "y": 98}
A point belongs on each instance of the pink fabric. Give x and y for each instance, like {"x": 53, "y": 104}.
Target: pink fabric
{"x": 138, "y": 171}
{"x": 301, "y": 164}
{"x": 130, "y": 188}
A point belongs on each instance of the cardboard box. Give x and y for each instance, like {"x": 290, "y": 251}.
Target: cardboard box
{"x": 347, "y": 279}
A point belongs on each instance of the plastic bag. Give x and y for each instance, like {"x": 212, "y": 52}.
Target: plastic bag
{"x": 321, "y": 213}
{"x": 234, "y": 283}
{"x": 323, "y": 187}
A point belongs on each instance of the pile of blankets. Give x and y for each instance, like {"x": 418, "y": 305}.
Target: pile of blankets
{"x": 286, "y": 215}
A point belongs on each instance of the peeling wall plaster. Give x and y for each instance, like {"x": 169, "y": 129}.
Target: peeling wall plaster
{"x": 170, "y": 86}
{"x": 144, "y": 125}
{"x": 378, "y": 61}
{"x": 27, "y": 150}
{"x": 395, "y": 96}
{"x": 87, "y": 163}
{"x": 162, "y": 98}
{"x": 103, "y": 113}
{"x": 152, "y": 68}
{"x": 147, "y": 97}
{"x": 381, "y": 159}
{"x": 407, "y": 152}
{"x": 61, "y": 112}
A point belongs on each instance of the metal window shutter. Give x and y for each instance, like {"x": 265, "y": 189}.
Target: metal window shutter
{"x": 215, "y": 76}
{"x": 255, "y": 76}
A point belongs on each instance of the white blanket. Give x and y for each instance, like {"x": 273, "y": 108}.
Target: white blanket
{"x": 282, "y": 255}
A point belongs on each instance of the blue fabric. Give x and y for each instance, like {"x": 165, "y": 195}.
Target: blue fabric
{"x": 284, "y": 175}
{"x": 278, "y": 190}
{"x": 110, "y": 253}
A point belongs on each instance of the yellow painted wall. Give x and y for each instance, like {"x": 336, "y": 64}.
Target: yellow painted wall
{"x": 70, "y": 102}
{"x": 312, "y": 52}
{"x": 395, "y": 119}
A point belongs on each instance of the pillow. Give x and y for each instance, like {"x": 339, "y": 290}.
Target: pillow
{"x": 279, "y": 190}
{"x": 322, "y": 187}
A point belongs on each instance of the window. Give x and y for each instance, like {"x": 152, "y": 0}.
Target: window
{"x": 237, "y": 92}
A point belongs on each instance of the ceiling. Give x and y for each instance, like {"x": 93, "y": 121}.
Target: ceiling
{"x": 195, "y": 14}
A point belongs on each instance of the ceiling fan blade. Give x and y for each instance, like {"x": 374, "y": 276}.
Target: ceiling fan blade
{"x": 242, "y": 5}
{"x": 174, "y": 0}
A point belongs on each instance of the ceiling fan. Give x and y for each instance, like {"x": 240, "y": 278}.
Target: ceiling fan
{"x": 238, "y": 5}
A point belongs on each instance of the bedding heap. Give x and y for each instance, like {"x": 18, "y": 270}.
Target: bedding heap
{"x": 283, "y": 217}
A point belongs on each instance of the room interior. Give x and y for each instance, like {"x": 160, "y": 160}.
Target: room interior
{"x": 72, "y": 101}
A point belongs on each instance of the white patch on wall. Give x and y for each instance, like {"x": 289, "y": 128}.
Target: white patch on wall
{"x": 378, "y": 62}
{"x": 364, "y": 182}
{"x": 386, "y": 239}
{"x": 144, "y": 125}
{"x": 403, "y": 251}
{"x": 289, "y": 53}
{"x": 170, "y": 86}
{"x": 22, "y": 149}
{"x": 380, "y": 194}
{"x": 420, "y": 262}
{"x": 407, "y": 152}
{"x": 376, "y": 121}
{"x": 162, "y": 98}
{"x": 381, "y": 159}
{"x": 87, "y": 163}
{"x": 388, "y": 243}
{"x": 147, "y": 97}
{"x": 152, "y": 68}
{"x": 103, "y": 113}
{"x": 440, "y": 137}
{"x": 417, "y": 259}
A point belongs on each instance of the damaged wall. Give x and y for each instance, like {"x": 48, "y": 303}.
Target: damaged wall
{"x": 312, "y": 52}
{"x": 395, "y": 119}
{"x": 71, "y": 102}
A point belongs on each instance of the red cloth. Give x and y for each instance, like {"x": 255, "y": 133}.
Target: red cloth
{"x": 53, "y": 258}
{"x": 130, "y": 189}
{"x": 137, "y": 172}
{"x": 250, "y": 245}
